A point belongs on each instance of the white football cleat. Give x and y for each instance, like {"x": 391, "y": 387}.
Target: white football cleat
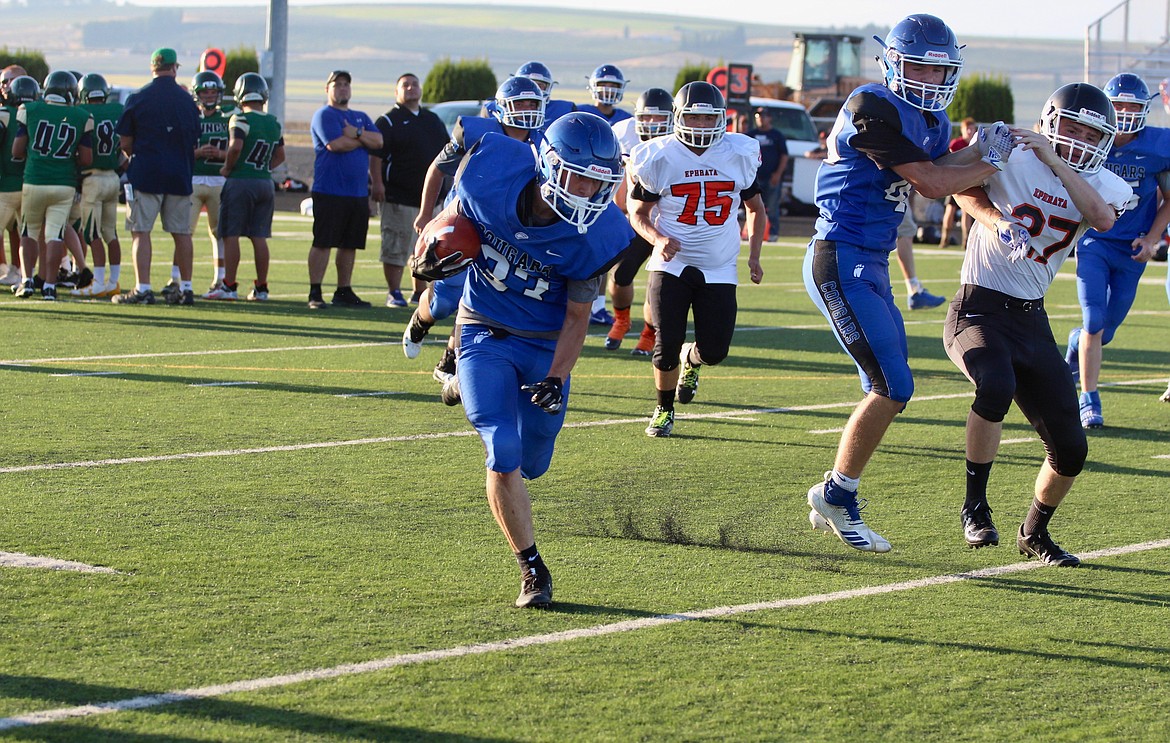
{"x": 844, "y": 521}
{"x": 410, "y": 347}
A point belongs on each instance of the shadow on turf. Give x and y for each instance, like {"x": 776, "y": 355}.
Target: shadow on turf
{"x": 1064, "y": 657}
{"x": 1074, "y": 592}
{"x": 212, "y": 710}
{"x": 314, "y": 389}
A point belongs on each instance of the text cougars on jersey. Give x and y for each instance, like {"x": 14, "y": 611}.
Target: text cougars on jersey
{"x": 515, "y": 256}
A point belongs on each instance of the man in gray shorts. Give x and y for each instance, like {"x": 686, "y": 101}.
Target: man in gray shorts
{"x": 411, "y": 137}
{"x": 159, "y": 130}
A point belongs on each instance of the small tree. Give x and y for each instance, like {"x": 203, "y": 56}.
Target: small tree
{"x": 31, "y": 60}
{"x": 238, "y": 61}
{"x": 462, "y": 80}
{"x": 983, "y": 98}
{"x": 689, "y": 73}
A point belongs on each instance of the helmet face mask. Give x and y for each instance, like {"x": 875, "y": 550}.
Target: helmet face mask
{"x": 699, "y": 98}
{"x": 520, "y": 103}
{"x": 207, "y": 82}
{"x": 654, "y": 114}
{"x": 538, "y": 73}
{"x": 579, "y": 145}
{"x": 921, "y": 40}
{"x": 607, "y": 85}
{"x": 1128, "y": 88}
{"x": 1084, "y": 104}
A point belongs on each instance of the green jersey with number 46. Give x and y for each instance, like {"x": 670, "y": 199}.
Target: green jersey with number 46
{"x": 262, "y": 135}
{"x": 54, "y": 132}
{"x": 106, "y": 155}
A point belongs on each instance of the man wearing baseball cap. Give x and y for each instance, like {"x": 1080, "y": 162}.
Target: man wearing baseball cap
{"x": 343, "y": 140}
{"x": 159, "y": 130}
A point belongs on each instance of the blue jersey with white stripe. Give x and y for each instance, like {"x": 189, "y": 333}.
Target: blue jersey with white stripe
{"x": 520, "y": 277}
{"x": 860, "y": 197}
{"x": 1138, "y": 162}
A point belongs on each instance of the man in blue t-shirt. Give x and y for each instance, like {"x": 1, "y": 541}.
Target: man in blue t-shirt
{"x": 343, "y": 140}
{"x": 158, "y": 131}
{"x": 773, "y": 161}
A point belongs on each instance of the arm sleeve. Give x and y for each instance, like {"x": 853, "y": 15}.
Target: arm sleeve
{"x": 879, "y": 132}
{"x": 584, "y": 290}
{"x": 750, "y": 191}
{"x": 641, "y": 194}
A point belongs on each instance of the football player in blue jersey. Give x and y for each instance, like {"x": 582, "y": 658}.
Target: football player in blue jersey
{"x": 1110, "y": 264}
{"x": 518, "y": 111}
{"x": 549, "y": 231}
{"x": 889, "y": 138}
{"x": 538, "y": 72}
{"x": 607, "y": 85}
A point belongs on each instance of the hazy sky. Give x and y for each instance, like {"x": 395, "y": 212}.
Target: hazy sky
{"x": 1027, "y": 18}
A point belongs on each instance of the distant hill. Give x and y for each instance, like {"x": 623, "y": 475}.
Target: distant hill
{"x": 379, "y": 42}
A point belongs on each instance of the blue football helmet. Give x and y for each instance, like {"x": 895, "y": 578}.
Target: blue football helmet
{"x": 508, "y": 97}
{"x": 540, "y": 74}
{"x": 657, "y": 103}
{"x": 615, "y": 85}
{"x": 583, "y": 145}
{"x": 921, "y": 39}
{"x": 1085, "y": 104}
{"x": 699, "y": 98}
{"x": 1129, "y": 88}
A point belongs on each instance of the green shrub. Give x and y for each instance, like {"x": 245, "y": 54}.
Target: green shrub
{"x": 238, "y": 61}
{"x": 689, "y": 73}
{"x": 984, "y": 98}
{"x": 456, "y": 81}
{"x": 32, "y": 61}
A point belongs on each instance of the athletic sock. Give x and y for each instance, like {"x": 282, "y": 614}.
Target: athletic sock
{"x": 977, "y": 477}
{"x": 841, "y": 490}
{"x": 913, "y": 285}
{"x": 115, "y": 273}
{"x": 530, "y": 562}
{"x": 175, "y": 274}
{"x": 1038, "y": 517}
{"x": 666, "y": 399}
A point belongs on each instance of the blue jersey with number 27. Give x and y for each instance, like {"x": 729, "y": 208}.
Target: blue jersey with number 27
{"x": 521, "y": 275}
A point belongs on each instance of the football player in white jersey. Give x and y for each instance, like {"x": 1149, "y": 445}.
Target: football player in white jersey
{"x": 685, "y": 199}
{"x": 1028, "y": 218}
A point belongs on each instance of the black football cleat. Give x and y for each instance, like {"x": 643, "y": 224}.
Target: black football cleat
{"x": 535, "y": 590}
{"x": 978, "y": 529}
{"x": 1049, "y": 552}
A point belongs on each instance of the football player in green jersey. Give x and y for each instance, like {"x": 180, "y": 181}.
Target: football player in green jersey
{"x": 255, "y": 147}
{"x": 15, "y": 88}
{"x": 54, "y": 138}
{"x": 100, "y": 187}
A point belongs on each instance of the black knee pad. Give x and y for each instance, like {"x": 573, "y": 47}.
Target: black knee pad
{"x": 993, "y": 397}
{"x": 1067, "y": 455}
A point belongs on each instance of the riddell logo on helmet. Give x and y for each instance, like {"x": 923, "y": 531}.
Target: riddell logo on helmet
{"x": 1092, "y": 114}
{"x": 594, "y": 168}
{"x": 942, "y": 56}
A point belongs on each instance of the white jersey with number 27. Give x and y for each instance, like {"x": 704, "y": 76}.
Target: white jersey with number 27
{"x": 1028, "y": 190}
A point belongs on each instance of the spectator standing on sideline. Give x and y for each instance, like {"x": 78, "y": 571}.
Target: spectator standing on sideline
{"x": 342, "y": 141}
{"x": 246, "y": 204}
{"x": 773, "y": 162}
{"x": 888, "y": 139}
{"x": 159, "y": 130}
{"x": 967, "y": 129}
{"x": 411, "y": 138}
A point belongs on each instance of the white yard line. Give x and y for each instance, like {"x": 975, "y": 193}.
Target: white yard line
{"x": 148, "y": 701}
{"x": 21, "y": 560}
{"x": 724, "y": 415}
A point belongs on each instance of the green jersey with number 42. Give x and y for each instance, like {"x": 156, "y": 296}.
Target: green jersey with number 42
{"x": 54, "y": 134}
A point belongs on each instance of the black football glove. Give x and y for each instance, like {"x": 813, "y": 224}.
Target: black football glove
{"x": 430, "y": 267}
{"x": 546, "y": 394}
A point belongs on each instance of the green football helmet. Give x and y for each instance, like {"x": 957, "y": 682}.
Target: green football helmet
{"x": 251, "y": 87}
{"x": 207, "y": 80}
{"x": 61, "y": 87}
{"x": 94, "y": 89}
{"x": 22, "y": 90}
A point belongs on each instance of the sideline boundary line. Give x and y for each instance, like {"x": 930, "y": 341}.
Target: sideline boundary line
{"x": 599, "y": 630}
